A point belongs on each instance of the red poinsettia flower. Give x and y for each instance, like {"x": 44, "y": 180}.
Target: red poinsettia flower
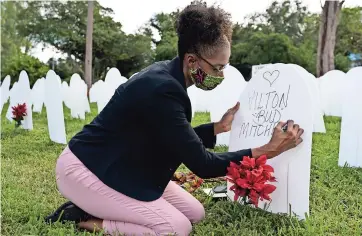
{"x": 19, "y": 112}
{"x": 267, "y": 189}
{"x": 251, "y": 163}
{"x": 234, "y": 165}
{"x": 239, "y": 192}
{"x": 250, "y": 179}
{"x": 261, "y": 162}
{"x": 272, "y": 179}
{"x": 243, "y": 183}
{"x": 248, "y": 163}
{"x": 266, "y": 169}
{"x": 257, "y": 171}
{"x": 256, "y": 181}
{"x": 253, "y": 197}
{"x": 233, "y": 173}
{"x": 268, "y": 176}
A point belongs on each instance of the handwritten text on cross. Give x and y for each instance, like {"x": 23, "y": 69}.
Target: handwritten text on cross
{"x": 265, "y": 108}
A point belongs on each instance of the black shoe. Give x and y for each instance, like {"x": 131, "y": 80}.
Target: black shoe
{"x": 68, "y": 212}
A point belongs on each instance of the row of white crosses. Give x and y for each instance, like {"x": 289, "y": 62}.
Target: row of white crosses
{"x": 51, "y": 93}
{"x": 53, "y": 102}
{"x": 330, "y": 86}
{"x": 45, "y": 91}
{"x": 19, "y": 94}
{"x": 5, "y": 92}
{"x": 275, "y": 92}
{"x": 102, "y": 91}
{"x": 341, "y": 96}
{"x": 350, "y": 149}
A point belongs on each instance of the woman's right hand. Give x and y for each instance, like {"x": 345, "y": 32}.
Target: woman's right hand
{"x": 284, "y": 139}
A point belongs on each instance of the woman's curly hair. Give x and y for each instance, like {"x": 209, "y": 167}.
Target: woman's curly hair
{"x": 202, "y": 29}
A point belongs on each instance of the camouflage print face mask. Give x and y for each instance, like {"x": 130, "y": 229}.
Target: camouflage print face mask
{"x": 205, "y": 81}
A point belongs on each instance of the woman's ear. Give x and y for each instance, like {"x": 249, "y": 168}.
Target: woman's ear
{"x": 190, "y": 60}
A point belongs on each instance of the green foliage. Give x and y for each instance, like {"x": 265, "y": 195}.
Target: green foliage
{"x": 166, "y": 48}
{"x": 65, "y": 68}
{"x": 349, "y": 32}
{"x": 286, "y": 17}
{"x": 29, "y": 188}
{"x": 285, "y": 32}
{"x": 13, "y": 60}
{"x": 342, "y": 63}
{"x": 63, "y": 25}
{"x": 8, "y": 31}
{"x": 33, "y": 66}
{"x": 11, "y": 21}
{"x": 135, "y": 55}
{"x": 266, "y": 48}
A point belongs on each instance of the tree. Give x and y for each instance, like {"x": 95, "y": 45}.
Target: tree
{"x": 285, "y": 32}
{"x": 33, "y": 67}
{"x": 266, "y": 48}
{"x": 62, "y": 24}
{"x": 166, "y": 47}
{"x": 349, "y": 37}
{"x": 66, "y": 67}
{"x": 14, "y": 46}
{"x": 287, "y": 17}
{"x": 349, "y": 31}
{"x": 327, "y": 36}
{"x": 88, "y": 50}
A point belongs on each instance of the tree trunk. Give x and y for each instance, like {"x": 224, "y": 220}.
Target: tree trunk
{"x": 88, "y": 47}
{"x": 327, "y": 36}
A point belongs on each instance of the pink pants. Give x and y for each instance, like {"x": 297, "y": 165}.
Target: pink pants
{"x": 172, "y": 214}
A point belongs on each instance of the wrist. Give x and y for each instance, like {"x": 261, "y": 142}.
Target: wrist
{"x": 218, "y": 128}
{"x": 264, "y": 150}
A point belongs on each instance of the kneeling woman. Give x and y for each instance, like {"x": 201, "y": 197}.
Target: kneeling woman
{"x": 116, "y": 172}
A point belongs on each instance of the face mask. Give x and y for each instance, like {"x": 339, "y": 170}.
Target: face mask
{"x": 205, "y": 81}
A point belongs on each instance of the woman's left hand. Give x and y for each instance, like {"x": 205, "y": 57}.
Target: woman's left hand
{"x": 224, "y": 125}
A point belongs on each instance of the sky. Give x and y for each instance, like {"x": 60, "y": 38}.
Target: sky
{"x": 136, "y": 13}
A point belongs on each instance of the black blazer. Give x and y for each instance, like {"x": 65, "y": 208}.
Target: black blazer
{"x": 143, "y": 134}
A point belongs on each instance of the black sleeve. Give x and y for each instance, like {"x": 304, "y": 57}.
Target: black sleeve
{"x": 178, "y": 138}
{"x": 206, "y": 134}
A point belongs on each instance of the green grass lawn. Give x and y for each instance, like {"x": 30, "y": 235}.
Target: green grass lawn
{"x": 29, "y": 190}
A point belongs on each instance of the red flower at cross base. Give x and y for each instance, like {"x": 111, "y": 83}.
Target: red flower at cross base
{"x": 249, "y": 179}
{"x": 19, "y": 112}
